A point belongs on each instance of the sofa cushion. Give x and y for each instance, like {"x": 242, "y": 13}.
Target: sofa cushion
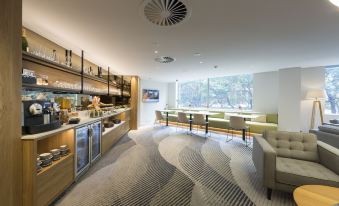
{"x": 294, "y": 145}
{"x": 329, "y": 129}
{"x": 334, "y": 121}
{"x": 218, "y": 123}
{"x": 260, "y": 128}
{"x": 220, "y": 115}
{"x": 299, "y": 172}
{"x": 260, "y": 118}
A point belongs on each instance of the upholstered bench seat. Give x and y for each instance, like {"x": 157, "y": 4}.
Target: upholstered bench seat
{"x": 299, "y": 172}
{"x": 221, "y": 123}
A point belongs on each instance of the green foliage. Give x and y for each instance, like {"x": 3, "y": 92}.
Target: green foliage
{"x": 332, "y": 90}
{"x": 222, "y": 92}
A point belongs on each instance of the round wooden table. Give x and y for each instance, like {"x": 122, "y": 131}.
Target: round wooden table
{"x": 310, "y": 195}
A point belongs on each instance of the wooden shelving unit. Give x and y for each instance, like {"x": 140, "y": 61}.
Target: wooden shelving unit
{"x": 48, "y": 88}
{"x": 54, "y": 164}
{"x": 114, "y": 134}
{"x": 48, "y": 63}
{"x": 41, "y": 188}
{"x": 108, "y": 130}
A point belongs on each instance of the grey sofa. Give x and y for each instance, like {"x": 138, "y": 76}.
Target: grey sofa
{"x": 286, "y": 160}
{"x": 328, "y": 133}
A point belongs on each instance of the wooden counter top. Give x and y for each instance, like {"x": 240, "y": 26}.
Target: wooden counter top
{"x": 70, "y": 126}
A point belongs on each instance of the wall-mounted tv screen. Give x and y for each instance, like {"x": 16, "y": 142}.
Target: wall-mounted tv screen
{"x": 150, "y": 95}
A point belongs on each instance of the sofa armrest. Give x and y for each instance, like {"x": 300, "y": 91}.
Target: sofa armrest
{"x": 264, "y": 159}
{"x": 329, "y": 156}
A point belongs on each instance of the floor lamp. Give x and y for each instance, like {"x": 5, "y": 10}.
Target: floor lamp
{"x": 316, "y": 95}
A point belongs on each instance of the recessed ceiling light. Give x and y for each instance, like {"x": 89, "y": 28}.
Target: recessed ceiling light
{"x": 201, "y": 62}
{"x": 335, "y": 2}
{"x": 156, "y": 51}
{"x": 197, "y": 54}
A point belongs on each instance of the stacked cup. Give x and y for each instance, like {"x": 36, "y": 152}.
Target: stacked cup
{"x": 56, "y": 154}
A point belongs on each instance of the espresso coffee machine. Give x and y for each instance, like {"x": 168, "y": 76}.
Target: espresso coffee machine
{"x": 38, "y": 116}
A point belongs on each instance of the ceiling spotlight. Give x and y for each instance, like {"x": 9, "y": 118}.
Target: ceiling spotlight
{"x": 335, "y": 2}
{"x": 201, "y": 62}
{"x": 197, "y": 54}
{"x": 155, "y": 52}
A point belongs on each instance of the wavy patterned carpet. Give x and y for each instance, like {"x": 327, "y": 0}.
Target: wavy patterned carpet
{"x": 157, "y": 166}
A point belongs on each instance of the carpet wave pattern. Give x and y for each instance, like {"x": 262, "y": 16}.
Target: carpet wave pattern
{"x": 159, "y": 166}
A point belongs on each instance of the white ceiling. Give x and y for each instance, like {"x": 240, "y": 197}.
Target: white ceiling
{"x": 240, "y": 36}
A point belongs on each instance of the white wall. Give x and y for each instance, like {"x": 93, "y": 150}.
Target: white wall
{"x": 289, "y": 99}
{"x": 172, "y": 95}
{"x": 146, "y": 111}
{"x": 294, "y": 110}
{"x": 266, "y": 92}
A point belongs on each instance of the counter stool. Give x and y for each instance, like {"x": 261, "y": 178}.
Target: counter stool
{"x": 239, "y": 124}
{"x": 182, "y": 120}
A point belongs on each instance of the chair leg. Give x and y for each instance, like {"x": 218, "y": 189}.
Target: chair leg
{"x": 269, "y": 193}
{"x": 248, "y": 138}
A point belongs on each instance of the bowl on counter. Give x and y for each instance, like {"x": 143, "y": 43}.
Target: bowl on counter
{"x": 117, "y": 121}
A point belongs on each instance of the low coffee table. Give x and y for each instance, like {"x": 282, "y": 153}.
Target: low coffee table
{"x": 310, "y": 195}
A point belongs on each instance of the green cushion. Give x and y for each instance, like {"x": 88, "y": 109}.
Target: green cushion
{"x": 219, "y": 115}
{"x": 260, "y": 128}
{"x": 218, "y": 123}
{"x": 272, "y": 118}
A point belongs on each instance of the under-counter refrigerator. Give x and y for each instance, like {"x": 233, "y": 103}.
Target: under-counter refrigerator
{"x": 88, "y": 146}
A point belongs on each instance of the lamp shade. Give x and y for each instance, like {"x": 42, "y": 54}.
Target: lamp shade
{"x": 315, "y": 94}
{"x": 335, "y": 2}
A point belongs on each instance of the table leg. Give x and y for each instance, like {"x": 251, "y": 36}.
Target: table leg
{"x": 244, "y": 132}
{"x": 206, "y": 128}
{"x": 190, "y": 122}
{"x": 166, "y": 118}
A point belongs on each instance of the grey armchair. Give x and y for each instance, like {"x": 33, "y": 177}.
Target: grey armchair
{"x": 286, "y": 160}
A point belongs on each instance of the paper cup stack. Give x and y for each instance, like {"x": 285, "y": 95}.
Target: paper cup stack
{"x": 38, "y": 164}
{"x": 56, "y": 154}
{"x": 64, "y": 150}
{"x": 46, "y": 159}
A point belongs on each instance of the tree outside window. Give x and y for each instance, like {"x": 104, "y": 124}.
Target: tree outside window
{"x": 332, "y": 90}
{"x": 230, "y": 92}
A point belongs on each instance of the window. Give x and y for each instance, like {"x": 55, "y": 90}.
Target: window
{"x": 332, "y": 90}
{"x": 229, "y": 92}
{"x": 193, "y": 94}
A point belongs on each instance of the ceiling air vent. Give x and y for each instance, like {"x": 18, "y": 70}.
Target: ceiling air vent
{"x": 164, "y": 60}
{"x": 165, "y": 12}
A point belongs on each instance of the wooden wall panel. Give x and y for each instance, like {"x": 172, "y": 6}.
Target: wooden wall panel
{"x": 10, "y": 103}
{"x": 134, "y": 103}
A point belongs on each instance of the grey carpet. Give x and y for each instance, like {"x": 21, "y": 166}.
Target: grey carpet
{"x": 157, "y": 166}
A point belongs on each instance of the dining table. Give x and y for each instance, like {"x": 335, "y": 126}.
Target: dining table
{"x": 166, "y": 111}
{"x": 205, "y": 113}
{"x": 245, "y": 116}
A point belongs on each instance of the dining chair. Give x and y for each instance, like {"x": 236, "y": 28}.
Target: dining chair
{"x": 200, "y": 122}
{"x": 158, "y": 118}
{"x": 182, "y": 120}
{"x": 239, "y": 124}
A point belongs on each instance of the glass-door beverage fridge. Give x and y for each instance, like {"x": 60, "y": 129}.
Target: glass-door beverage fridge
{"x": 95, "y": 141}
{"x": 82, "y": 154}
{"x": 88, "y": 146}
